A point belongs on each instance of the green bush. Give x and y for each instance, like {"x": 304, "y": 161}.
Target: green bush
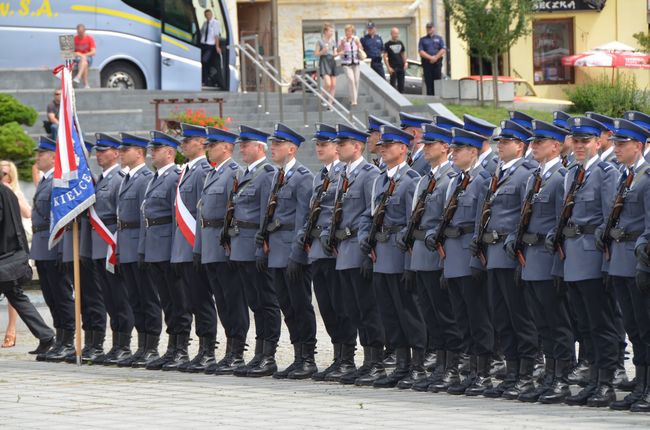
{"x": 13, "y": 110}
{"x": 17, "y": 146}
{"x": 608, "y": 97}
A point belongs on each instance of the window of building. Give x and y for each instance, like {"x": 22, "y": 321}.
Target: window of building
{"x": 552, "y": 40}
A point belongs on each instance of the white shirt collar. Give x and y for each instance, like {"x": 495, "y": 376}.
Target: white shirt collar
{"x": 135, "y": 169}
{"x": 549, "y": 164}
{"x": 330, "y": 166}
{"x": 509, "y": 164}
{"x": 606, "y": 153}
{"x": 638, "y": 163}
{"x": 354, "y": 165}
{"x": 482, "y": 156}
{"x": 289, "y": 165}
{"x": 165, "y": 168}
{"x": 107, "y": 171}
{"x": 255, "y": 163}
{"x": 191, "y": 164}
{"x": 591, "y": 161}
{"x": 394, "y": 170}
{"x": 223, "y": 163}
{"x": 49, "y": 173}
{"x": 436, "y": 169}
{"x": 528, "y": 152}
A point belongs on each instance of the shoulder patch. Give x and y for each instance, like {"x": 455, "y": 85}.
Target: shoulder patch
{"x": 146, "y": 172}
{"x": 206, "y": 166}
{"x": 485, "y": 174}
{"x": 412, "y": 174}
{"x": 368, "y": 167}
{"x": 452, "y": 174}
{"x": 303, "y": 170}
{"x": 528, "y": 164}
{"x": 605, "y": 166}
{"x": 269, "y": 168}
{"x": 234, "y": 166}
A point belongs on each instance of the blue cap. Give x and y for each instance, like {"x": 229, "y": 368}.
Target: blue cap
{"x": 375, "y": 123}
{"x": 627, "y": 130}
{"x": 89, "y": 146}
{"x": 408, "y": 120}
{"x": 446, "y": 123}
{"x": 544, "y": 130}
{"x": 521, "y": 118}
{"x": 605, "y": 120}
{"x": 46, "y": 144}
{"x": 191, "y": 130}
{"x": 433, "y": 133}
{"x": 282, "y": 133}
{"x": 639, "y": 118}
{"x": 324, "y": 132}
{"x": 560, "y": 119}
{"x": 104, "y": 141}
{"x": 462, "y": 137}
{"x": 346, "y": 132}
{"x": 133, "y": 140}
{"x": 478, "y": 126}
{"x": 511, "y": 129}
{"x": 220, "y": 135}
{"x": 158, "y": 138}
{"x": 392, "y": 134}
{"x": 581, "y": 126}
{"x": 247, "y": 134}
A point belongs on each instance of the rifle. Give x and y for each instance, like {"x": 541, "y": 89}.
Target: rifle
{"x": 526, "y": 215}
{"x": 448, "y": 214}
{"x": 486, "y": 214}
{"x": 314, "y": 213}
{"x": 224, "y": 239}
{"x": 615, "y": 213}
{"x": 337, "y": 212}
{"x": 378, "y": 218}
{"x": 270, "y": 209}
{"x": 567, "y": 209}
{"x": 417, "y": 214}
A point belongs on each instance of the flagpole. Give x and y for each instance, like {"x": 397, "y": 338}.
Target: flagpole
{"x": 77, "y": 289}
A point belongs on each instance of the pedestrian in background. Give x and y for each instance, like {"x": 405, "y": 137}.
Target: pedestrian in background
{"x": 431, "y": 48}
{"x": 211, "y": 51}
{"x": 52, "y": 123}
{"x": 395, "y": 59}
{"x": 374, "y": 47}
{"x": 84, "y": 51}
{"x": 351, "y": 48}
{"x": 326, "y": 51}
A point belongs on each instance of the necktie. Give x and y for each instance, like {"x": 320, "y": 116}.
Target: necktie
{"x": 127, "y": 177}
{"x": 246, "y": 172}
{"x": 323, "y": 173}
{"x": 205, "y": 33}
{"x": 155, "y": 176}
{"x": 101, "y": 176}
{"x": 501, "y": 173}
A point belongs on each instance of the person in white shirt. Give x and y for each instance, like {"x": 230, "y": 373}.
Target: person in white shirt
{"x": 211, "y": 51}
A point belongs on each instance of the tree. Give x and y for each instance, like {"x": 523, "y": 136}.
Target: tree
{"x": 643, "y": 39}
{"x": 15, "y": 143}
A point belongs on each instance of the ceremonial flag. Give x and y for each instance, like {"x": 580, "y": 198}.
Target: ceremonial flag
{"x": 186, "y": 222}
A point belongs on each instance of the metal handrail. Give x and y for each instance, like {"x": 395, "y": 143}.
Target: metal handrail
{"x": 337, "y": 107}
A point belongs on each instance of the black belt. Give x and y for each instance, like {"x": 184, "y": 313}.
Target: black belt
{"x": 150, "y": 222}
{"x": 315, "y": 233}
{"x": 38, "y": 228}
{"x": 419, "y": 234}
{"x": 345, "y": 234}
{"x": 245, "y": 224}
{"x": 532, "y": 239}
{"x": 619, "y": 235}
{"x": 454, "y": 232}
{"x": 492, "y": 237}
{"x": 384, "y": 234}
{"x": 213, "y": 222}
{"x": 277, "y": 226}
{"x": 109, "y": 220}
{"x": 577, "y": 230}
{"x": 123, "y": 225}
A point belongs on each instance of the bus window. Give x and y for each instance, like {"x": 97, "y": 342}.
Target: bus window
{"x": 150, "y": 7}
{"x": 179, "y": 19}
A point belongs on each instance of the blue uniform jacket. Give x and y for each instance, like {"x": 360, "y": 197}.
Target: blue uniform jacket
{"x": 130, "y": 199}
{"x": 106, "y": 193}
{"x": 41, "y": 217}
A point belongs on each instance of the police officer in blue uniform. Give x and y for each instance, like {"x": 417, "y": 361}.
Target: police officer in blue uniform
{"x": 194, "y": 279}
{"x": 560, "y": 119}
{"x": 468, "y": 295}
{"x": 251, "y": 203}
{"x": 434, "y": 301}
{"x": 446, "y": 123}
{"x": 55, "y": 283}
{"x": 393, "y": 281}
{"x": 111, "y": 284}
{"x": 155, "y": 247}
{"x": 222, "y": 274}
{"x": 606, "y": 145}
{"x": 374, "y": 135}
{"x": 583, "y": 266}
{"x": 413, "y": 124}
{"x": 511, "y": 317}
{"x": 525, "y": 121}
{"x": 431, "y": 48}
{"x": 130, "y": 228}
{"x": 354, "y": 269}
{"x": 374, "y": 47}
{"x": 642, "y": 119}
{"x": 487, "y": 157}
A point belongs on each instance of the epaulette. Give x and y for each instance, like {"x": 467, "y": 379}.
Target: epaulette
{"x": 528, "y": 164}
{"x": 303, "y": 170}
{"x": 605, "y": 166}
{"x": 234, "y": 166}
{"x": 562, "y": 171}
{"x": 368, "y": 167}
{"x": 485, "y": 174}
{"x": 206, "y": 166}
{"x": 146, "y": 172}
{"x": 269, "y": 168}
{"x": 412, "y": 174}
{"x": 121, "y": 173}
{"x": 178, "y": 170}
{"x": 452, "y": 174}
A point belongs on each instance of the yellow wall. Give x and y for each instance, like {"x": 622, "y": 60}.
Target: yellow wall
{"x": 619, "y": 20}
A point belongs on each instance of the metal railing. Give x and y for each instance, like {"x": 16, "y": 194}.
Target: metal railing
{"x": 268, "y": 71}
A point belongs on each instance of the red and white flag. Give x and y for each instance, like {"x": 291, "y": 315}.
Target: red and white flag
{"x": 186, "y": 222}
{"x": 107, "y": 236}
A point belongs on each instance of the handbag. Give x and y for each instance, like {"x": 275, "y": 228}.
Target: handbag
{"x": 362, "y": 52}
{"x": 14, "y": 265}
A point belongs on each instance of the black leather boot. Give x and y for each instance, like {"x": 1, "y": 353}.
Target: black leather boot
{"x": 580, "y": 399}
{"x": 142, "y": 343}
{"x": 540, "y": 367}
{"x": 498, "y": 367}
{"x": 297, "y": 360}
{"x": 463, "y": 384}
{"x": 376, "y": 370}
{"x": 180, "y": 356}
{"x": 604, "y": 394}
{"x": 580, "y": 374}
{"x": 259, "y": 349}
{"x": 416, "y": 370}
{"x": 122, "y": 350}
{"x": 150, "y": 353}
{"x": 643, "y": 405}
{"x": 204, "y": 358}
{"x": 346, "y": 365}
{"x": 267, "y": 365}
{"x": 390, "y": 359}
{"x": 350, "y": 378}
{"x": 620, "y": 378}
{"x": 436, "y": 374}
{"x": 450, "y": 376}
{"x": 110, "y": 352}
{"x": 58, "y": 337}
{"x": 637, "y": 394}
{"x": 158, "y": 363}
{"x": 233, "y": 361}
{"x": 88, "y": 340}
{"x": 430, "y": 360}
{"x": 212, "y": 367}
{"x": 403, "y": 364}
{"x": 512, "y": 370}
{"x": 307, "y": 365}
{"x": 96, "y": 349}
{"x": 465, "y": 364}
{"x": 336, "y": 361}
{"x": 525, "y": 381}
{"x": 543, "y": 386}
{"x": 483, "y": 380}
{"x": 559, "y": 390}
{"x": 57, "y": 355}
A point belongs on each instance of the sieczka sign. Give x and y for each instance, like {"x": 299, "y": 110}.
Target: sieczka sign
{"x": 28, "y": 8}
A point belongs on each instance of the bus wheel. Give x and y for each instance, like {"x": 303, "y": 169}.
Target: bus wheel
{"x": 122, "y": 75}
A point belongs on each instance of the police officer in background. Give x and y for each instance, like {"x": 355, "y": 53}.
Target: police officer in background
{"x": 431, "y": 49}
{"x": 113, "y": 288}
{"x": 374, "y": 47}
{"x": 130, "y": 227}
{"x": 584, "y": 262}
{"x": 526, "y": 121}
{"x": 155, "y": 247}
{"x": 194, "y": 280}
{"x": 606, "y": 144}
{"x": 487, "y": 157}
{"x": 374, "y": 134}
{"x": 560, "y": 119}
{"x": 251, "y": 202}
{"x": 643, "y": 120}
{"x": 222, "y": 274}
{"x": 412, "y": 124}
{"x": 393, "y": 281}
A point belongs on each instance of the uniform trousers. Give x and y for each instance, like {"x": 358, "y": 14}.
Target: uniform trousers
{"x": 197, "y": 289}
{"x": 636, "y": 317}
{"x": 329, "y": 295}
{"x": 294, "y": 297}
{"x": 173, "y": 298}
{"x": 435, "y": 340}
{"x": 262, "y": 301}
{"x": 580, "y": 325}
{"x": 360, "y": 302}
{"x": 26, "y": 311}
{"x": 116, "y": 298}
{"x": 469, "y": 296}
{"x": 147, "y": 313}
{"x": 619, "y": 323}
{"x": 229, "y": 298}
{"x": 57, "y": 292}
{"x": 93, "y": 310}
